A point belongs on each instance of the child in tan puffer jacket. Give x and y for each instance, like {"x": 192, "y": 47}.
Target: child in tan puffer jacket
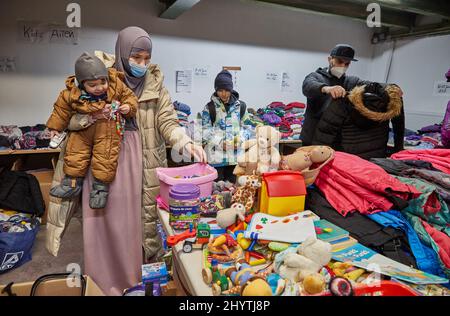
{"x": 93, "y": 88}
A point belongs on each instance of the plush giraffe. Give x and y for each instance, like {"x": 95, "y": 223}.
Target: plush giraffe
{"x": 246, "y": 194}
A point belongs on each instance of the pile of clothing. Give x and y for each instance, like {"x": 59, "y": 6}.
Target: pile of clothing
{"x": 10, "y": 137}
{"x": 428, "y": 137}
{"x": 34, "y": 137}
{"x": 352, "y": 184}
{"x": 428, "y": 215}
{"x": 287, "y": 118}
{"x": 25, "y": 137}
{"x": 397, "y": 206}
{"x": 183, "y": 112}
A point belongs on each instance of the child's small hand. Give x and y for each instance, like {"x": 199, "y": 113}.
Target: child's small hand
{"x": 124, "y": 109}
{"x": 53, "y": 133}
{"x": 107, "y": 108}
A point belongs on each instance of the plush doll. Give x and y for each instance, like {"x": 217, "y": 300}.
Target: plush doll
{"x": 247, "y": 193}
{"x": 306, "y": 259}
{"x": 297, "y": 161}
{"x": 229, "y": 216}
{"x": 308, "y": 160}
{"x": 249, "y": 282}
{"x": 260, "y": 154}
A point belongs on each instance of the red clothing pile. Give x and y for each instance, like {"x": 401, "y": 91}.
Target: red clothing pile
{"x": 352, "y": 184}
{"x": 439, "y": 158}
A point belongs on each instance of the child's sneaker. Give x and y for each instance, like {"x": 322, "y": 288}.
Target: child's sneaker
{"x": 57, "y": 140}
{"x": 99, "y": 195}
{"x": 69, "y": 188}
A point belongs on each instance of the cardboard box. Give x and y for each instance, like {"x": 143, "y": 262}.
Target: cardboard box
{"x": 45, "y": 178}
{"x": 54, "y": 288}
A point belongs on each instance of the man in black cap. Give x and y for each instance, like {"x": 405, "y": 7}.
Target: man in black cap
{"x": 325, "y": 84}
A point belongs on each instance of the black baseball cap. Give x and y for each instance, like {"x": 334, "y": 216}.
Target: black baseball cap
{"x": 343, "y": 51}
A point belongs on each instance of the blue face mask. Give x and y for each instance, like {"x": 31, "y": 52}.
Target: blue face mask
{"x": 138, "y": 71}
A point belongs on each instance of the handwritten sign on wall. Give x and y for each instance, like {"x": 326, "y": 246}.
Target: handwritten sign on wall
{"x": 46, "y": 33}
{"x": 201, "y": 71}
{"x": 441, "y": 88}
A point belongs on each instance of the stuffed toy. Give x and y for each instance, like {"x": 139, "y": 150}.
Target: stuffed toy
{"x": 247, "y": 281}
{"x": 247, "y": 193}
{"x": 297, "y": 263}
{"x": 308, "y": 160}
{"x": 260, "y": 154}
{"x": 223, "y": 186}
{"x": 229, "y": 216}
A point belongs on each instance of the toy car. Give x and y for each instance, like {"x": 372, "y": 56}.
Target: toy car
{"x": 193, "y": 238}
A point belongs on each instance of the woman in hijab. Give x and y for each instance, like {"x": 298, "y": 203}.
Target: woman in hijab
{"x": 112, "y": 242}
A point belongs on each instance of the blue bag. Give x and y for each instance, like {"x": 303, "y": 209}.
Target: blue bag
{"x": 15, "y": 247}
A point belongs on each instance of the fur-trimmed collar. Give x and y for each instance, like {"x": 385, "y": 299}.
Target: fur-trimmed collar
{"x": 394, "y": 107}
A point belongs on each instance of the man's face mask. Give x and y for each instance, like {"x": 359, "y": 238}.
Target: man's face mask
{"x": 338, "y": 71}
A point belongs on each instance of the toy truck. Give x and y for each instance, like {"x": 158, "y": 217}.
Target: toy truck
{"x": 193, "y": 238}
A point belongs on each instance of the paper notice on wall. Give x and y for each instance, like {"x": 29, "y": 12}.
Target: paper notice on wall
{"x": 286, "y": 82}
{"x": 46, "y": 33}
{"x": 441, "y": 89}
{"x": 184, "y": 81}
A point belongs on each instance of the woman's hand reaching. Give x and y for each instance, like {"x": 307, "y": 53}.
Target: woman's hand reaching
{"x": 197, "y": 152}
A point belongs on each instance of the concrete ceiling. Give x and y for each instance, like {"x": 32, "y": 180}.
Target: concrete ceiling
{"x": 399, "y": 18}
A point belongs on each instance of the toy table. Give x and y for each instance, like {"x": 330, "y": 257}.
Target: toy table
{"x": 188, "y": 266}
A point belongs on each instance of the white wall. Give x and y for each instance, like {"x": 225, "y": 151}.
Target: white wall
{"x": 416, "y": 65}
{"x": 214, "y": 33}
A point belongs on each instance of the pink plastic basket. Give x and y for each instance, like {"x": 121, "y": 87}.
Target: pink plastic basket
{"x": 205, "y": 178}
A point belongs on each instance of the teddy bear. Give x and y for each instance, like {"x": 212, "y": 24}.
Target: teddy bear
{"x": 261, "y": 154}
{"x": 308, "y": 160}
{"x": 247, "y": 192}
{"x": 308, "y": 258}
{"x": 229, "y": 216}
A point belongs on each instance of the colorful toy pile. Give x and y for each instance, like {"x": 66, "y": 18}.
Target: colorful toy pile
{"x": 270, "y": 245}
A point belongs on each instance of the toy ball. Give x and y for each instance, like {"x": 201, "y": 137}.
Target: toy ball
{"x": 314, "y": 283}
{"x": 340, "y": 287}
{"x": 256, "y": 287}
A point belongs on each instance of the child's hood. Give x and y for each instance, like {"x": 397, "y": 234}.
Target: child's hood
{"x": 113, "y": 77}
{"x": 153, "y": 80}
